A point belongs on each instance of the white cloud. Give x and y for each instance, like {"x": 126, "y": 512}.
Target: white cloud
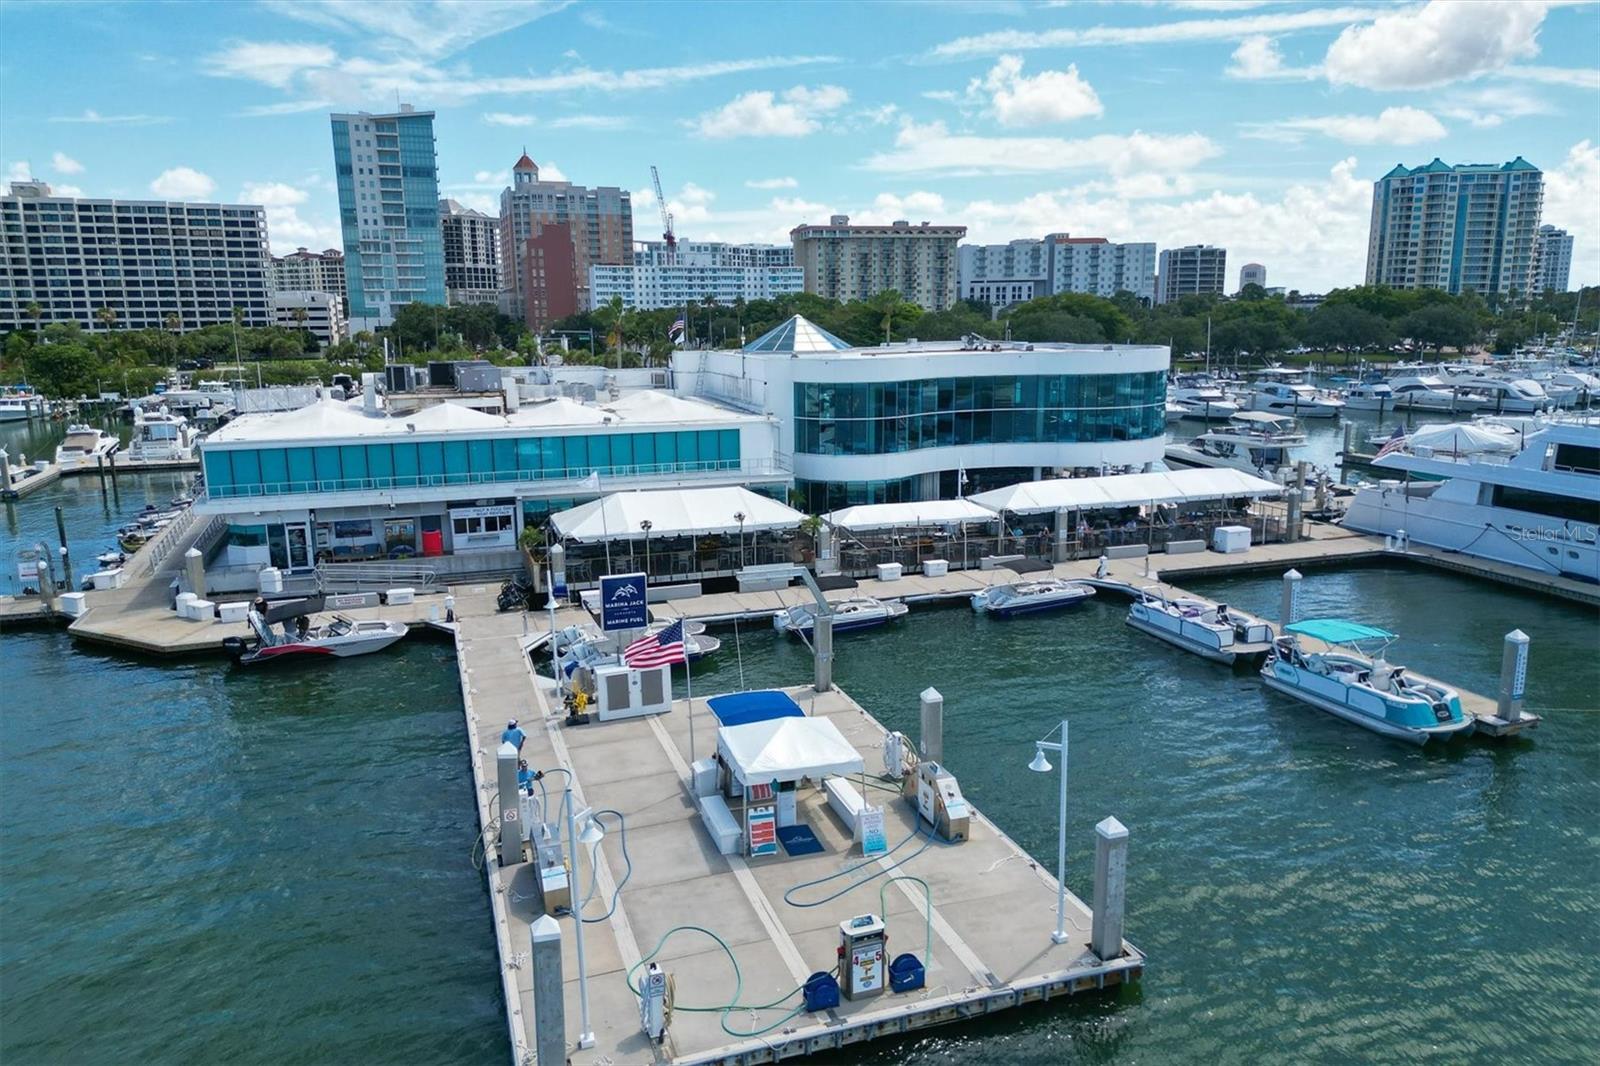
{"x": 91, "y": 117}
{"x": 590, "y": 122}
{"x": 183, "y": 183}
{"x": 502, "y": 118}
{"x": 499, "y": 179}
{"x": 772, "y": 183}
{"x": 287, "y": 107}
{"x": 286, "y": 227}
{"x": 66, "y": 190}
{"x": 1438, "y": 43}
{"x": 930, "y": 148}
{"x": 416, "y": 27}
{"x": 19, "y": 171}
{"x": 1393, "y": 125}
{"x": 1186, "y": 30}
{"x": 548, "y": 171}
{"x": 921, "y": 204}
{"x": 1576, "y": 78}
{"x": 275, "y": 63}
{"x": 1572, "y": 202}
{"x": 479, "y": 201}
{"x": 272, "y": 194}
{"x": 1488, "y": 108}
{"x": 1015, "y": 99}
{"x": 794, "y": 113}
{"x": 63, "y": 163}
{"x": 1258, "y": 59}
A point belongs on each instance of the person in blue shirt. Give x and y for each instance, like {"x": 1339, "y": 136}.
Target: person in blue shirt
{"x": 525, "y": 777}
{"x": 513, "y": 735}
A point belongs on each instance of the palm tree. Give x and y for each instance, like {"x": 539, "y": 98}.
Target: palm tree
{"x": 35, "y": 312}
{"x": 173, "y": 322}
{"x": 107, "y": 317}
{"x": 300, "y": 316}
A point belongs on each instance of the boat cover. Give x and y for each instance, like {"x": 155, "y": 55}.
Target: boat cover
{"x": 1338, "y": 630}
{"x": 787, "y": 749}
{"x": 739, "y": 708}
{"x": 1461, "y": 438}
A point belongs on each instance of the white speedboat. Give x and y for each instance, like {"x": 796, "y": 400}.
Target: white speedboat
{"x": 1201, "y": 398}
{"x": 1331, "y": 672}
{"x": 1370, "y": 397}
{"x": 1175, "y": 412}
{"x": 1428, "y": 392}
{"x": 1571, "y": 388}
{"x": 1294, "y": 399}
{"x": 1516, "y": 396}
{"x": 587, "y": 646}
{"x": 848, "y": 615}
{"x": 1027, "y": 597}
{"x": 1253, "y": 441}
{"x": 84, "y": 446}
{"x": 1212, "y": 631}
{"x": 19, "y": 403}
{"x": 160, "y": 436}
{"x": 298, "y": 638}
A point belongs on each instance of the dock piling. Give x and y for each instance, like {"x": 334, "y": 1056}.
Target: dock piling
{"x": 194, "y": 567}
{"x": 66, "y": 560}
{"x": 510, "y": 807}
{"x": 549, "y": 1011}
{"x": 1289, "y": 607}
{"x": 5, "y": 469}
{"x": 931, "y": 737}
{"x": 1513, "y": 675}
{"x": 822, "y": 635}
{"x": 1110, "y": 888}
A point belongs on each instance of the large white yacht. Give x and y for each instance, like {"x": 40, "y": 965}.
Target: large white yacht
{"x": 1429, "y": 392}
{"x": 1253, "y": 441}
{"x": 1538, "y": 508}
{"x": 160, "y": 436}
{"x": 1202, "y": 398}
{"x": 1515, "y": 396}
{"x": 84, "y": 446}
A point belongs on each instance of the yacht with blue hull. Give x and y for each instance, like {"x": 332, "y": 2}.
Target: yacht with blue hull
{"x": 1321, "y": 661}
{"x": 1030, "y": 597}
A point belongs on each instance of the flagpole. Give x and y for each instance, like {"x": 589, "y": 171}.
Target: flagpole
{"x": 688, "y": 684}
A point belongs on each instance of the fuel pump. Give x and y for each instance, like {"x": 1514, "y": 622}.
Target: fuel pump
{"x": 863, "y": 956}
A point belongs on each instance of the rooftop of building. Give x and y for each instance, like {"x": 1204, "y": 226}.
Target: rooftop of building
{"x": 1439, "y": 166}
{"x": 40, "y": 190}
{"x": 458, "y": 210}
{"x": 899, "y": 225}
{"x": 799, "y": 336}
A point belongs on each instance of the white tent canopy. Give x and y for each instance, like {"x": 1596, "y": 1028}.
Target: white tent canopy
{"x": 1126, "y": 490}
{"x": 892, "y": 515}
{"x": 787, "y": 749}
{"x": 1464, "y": 439}
{"x": 673, "y": 513}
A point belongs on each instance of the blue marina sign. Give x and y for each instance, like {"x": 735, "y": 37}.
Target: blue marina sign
{"x": 623, "y": 602}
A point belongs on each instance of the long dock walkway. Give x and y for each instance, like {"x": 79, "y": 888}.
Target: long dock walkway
{"x": 992, "y": 911}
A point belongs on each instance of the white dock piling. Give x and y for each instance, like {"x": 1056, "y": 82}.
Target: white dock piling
{"x": 510, "y": 805}
{"x": 822, "y": 636}
{"x": 1513, "y": 675}
{"x": 194, "y": 566}
{"x": 1110, "y": 888}
{"x": 1289, "y": 607}
{"x": 931, "y": 738}
{"x": 550, "y": 1015}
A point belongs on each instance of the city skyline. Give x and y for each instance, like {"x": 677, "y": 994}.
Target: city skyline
{"x": 1255, "y": 127}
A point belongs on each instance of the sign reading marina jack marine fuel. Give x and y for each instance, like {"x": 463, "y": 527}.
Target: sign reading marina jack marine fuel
{"x": 623, "y": 602}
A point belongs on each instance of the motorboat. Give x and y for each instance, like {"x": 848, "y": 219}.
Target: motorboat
{"x": 587, "y": 646}
{"x": 848, "y": 615}
{"x": 1293, "y": 398}
{"x": 1028, "y": 597}
{"x": 1538, "y": 507}
{"x": 85, "y": 446}
{"x": 1571, "y": 388}
{"x": 1377, "y": 396}
{"x": 297, "y": 638}
{"x": 1175, "y": 412}
{"x": 160, "y": 436}
{"x": 1323, "y": 662}
{"x": 1517, "y": 396}
{"x": 1201, "y": 398}
{"x": 1212, "y": 631}
{"x": 19, "y": 403}
{"x": 1428, "y": 392}
{"x": 1256, "y": 442}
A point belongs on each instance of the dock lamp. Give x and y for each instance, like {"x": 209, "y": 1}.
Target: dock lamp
{"x": 555, "y": 661}
{"x": 646, "y": 525}
{"x": 1041, "y": 765}
{"x": 739, "y": 518}
{"x": 593, "y": 833}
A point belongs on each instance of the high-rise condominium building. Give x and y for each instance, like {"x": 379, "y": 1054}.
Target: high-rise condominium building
{"x": 471, "y": 254}
{"x": 694, "y": 271}
{"x": 551, "y": 233}
{"x": 1555, "y": 260}
{"x": 305, "y": 271}
{"x": 1468, "y": 228}
{"x": 1196, "y": 268}
{"x": 388, "y": 174}
{"x": 1004, "y": 274}
{"x": 130, "y": 264}
{"x": 1252, "y": 274}
{"x": 845, "y": 262}
{"x": 320, "y": 314}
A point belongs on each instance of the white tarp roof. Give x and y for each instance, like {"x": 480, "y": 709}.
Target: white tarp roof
{"x": 787, "y": 749}
{"x": 927, "y": 513}
{"x": 1464, "y": 439}
{"x": 1126, "y": 490}
{"x": 673, "y": 513}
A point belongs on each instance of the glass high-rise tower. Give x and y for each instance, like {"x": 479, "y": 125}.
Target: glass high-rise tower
{"x": 388, "y": 174}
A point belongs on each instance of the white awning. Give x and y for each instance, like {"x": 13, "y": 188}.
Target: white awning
{"x": 892, "y": 515}
{"x": 787, "y": 749}
{"x": 1126, "y": 490}
{"x": 673, "y": 513}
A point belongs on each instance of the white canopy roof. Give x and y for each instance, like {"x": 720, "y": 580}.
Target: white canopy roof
{"x": 1126, "y": 490}
{"x": 927, "y": 513}
{"x": 1463, "y": 439}
{"x": 673, "y": 513}
{"x": 787, "y": 749}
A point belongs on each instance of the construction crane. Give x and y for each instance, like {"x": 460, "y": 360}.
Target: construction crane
{"x": 666, "y": 217}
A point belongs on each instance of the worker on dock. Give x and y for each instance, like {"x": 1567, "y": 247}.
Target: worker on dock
{"x": 514, "y": 735}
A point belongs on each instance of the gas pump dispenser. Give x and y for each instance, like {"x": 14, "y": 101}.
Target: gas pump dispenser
{"x": 863, "y": 956}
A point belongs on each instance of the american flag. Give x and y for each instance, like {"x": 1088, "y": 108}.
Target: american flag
{"x": 1394, "y": 443}
{"x": 676, "y": 330}
{"x": 657, "y": 649}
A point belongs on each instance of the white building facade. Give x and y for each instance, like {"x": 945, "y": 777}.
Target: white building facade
{"x": 130, "y": 264}
{"x": 1555, "y": 260}
{"x": 1252, "y": 274}
{"x": 307, "y": 271}
{"x": 471, "y": 254}
{"x": 695, "y": 270}
{"x": 1004, "y": 274}
{"x": 319, "y": 313}
{"x": 1190, "y": 270}
{"x": 844, "y": 262}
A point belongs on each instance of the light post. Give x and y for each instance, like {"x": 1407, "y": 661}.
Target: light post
{"x": 592, "y": 834}
{"x": 646, "y": 525}
{"x": 739, "y": 518}
{"x": 555, "y": 658}
{"x": 1041, "y": 765}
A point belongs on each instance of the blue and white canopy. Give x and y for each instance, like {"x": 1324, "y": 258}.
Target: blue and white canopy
{"x": 1338, "y": 630}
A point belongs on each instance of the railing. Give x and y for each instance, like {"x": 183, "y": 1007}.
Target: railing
{"x": 161, "y": 546}
{"x": 359, "y": 577}
{"x": 571, "y": 477}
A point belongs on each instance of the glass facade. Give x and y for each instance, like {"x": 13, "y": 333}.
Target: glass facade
{"x": 878, "y": 418}
{"x": 275, "y": 471}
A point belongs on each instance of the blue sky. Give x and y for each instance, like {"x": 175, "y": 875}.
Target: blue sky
{"x": 1256, "y": 126}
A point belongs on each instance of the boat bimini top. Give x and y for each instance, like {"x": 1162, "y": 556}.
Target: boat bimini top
{"x": 1338, "y": 630}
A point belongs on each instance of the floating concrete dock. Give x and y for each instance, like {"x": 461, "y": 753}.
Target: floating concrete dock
{"x": 992, "y": 910}
{"x": 26, "y": 480}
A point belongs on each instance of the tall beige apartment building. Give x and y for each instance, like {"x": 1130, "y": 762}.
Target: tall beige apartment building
{"x": 845, "y": 262}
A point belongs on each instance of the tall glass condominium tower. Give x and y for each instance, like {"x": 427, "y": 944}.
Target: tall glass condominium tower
{"x": 388, "y": 174}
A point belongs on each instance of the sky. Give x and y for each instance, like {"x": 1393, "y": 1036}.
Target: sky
{"x": 1256, "y": 126}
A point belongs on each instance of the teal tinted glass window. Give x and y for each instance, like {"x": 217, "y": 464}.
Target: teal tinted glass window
{"x": 575, "y": 457}
{"x": 728, "y": 449}
{"x": 274, "y": 468}
{"x": 555, "y": 458}
{"x": 599, "y": 453}
{"x": 529, "y": 456}
{"x": 456, "y": 463}
{"x": 688, "y": 448}
{"x": 301, "y": 469}
{"x": 380, "y": 462}
{"x": 644, "y": 449}
{"x": 327, "y": 463}
{"x": 666, "y": 448}
{"x": 219, "y": 470}
{"x": 505, "y": 458}
{"x": 430, "y": 459}
{"x": 480, "y": 456}
{"x": 407, "y": 465}
{"x": 247, "y": 469}
{"x": 353, "y": 458}
{"x": 622, "y": 450}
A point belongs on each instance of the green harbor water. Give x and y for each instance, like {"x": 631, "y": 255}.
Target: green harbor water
{"x": 199, "y": 864}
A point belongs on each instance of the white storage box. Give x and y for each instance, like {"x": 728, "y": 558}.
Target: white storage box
{"x": 403, "y": 595}
{"x": 73, "y": 604}
{"x": 705, "y": 777}
{"x": 721, "y": 824}
{"x": 1230, "y": 540}
{"x": 182, "y": 603}
{"x": 201, "y": 610}
{"x": 108, "y": 579}
{"x": 935, "y": 567}
{"x": 889, "y": 571}
{"x": 233, "y": 612}
{"x": 271, "y": 581}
